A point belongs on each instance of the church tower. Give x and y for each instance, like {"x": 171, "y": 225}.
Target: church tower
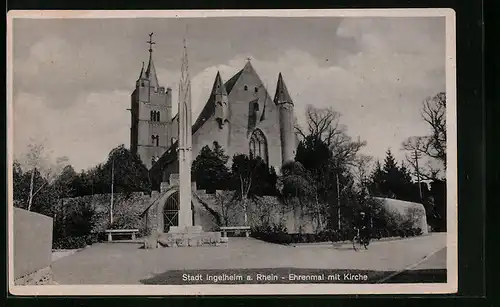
{"x": 151, "y": 114}
{"x": 285, "y": 106}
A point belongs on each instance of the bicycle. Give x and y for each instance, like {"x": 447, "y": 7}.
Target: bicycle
{"x": 359, "y": 241}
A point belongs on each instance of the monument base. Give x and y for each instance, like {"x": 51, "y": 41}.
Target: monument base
{"x": 186, "y": 229}
{"x": 191, "y": 236}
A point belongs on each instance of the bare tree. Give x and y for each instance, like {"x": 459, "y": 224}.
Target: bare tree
{"x": 433, "y": 145}
{"x": 362, "y": 169}
{"x": 36, "y": 160}
{"x": 324, "y": 124}
{"x": 225, "y": 201}
{"x": 434, "y": 113}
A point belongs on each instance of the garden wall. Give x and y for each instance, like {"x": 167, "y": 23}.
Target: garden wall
{"x": 405, "y": 209}
{"x": 127, "y": 209}
{"x": 265, "y": 210}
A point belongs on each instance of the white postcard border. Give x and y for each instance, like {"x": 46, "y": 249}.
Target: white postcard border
{"x": 450, "y": 286}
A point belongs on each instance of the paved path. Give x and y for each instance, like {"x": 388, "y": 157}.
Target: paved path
{"x": 106, "y": 263}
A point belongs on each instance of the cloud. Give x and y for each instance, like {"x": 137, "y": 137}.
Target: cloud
{"x": 85, "y": 132}
{"x": 75, "y": 95}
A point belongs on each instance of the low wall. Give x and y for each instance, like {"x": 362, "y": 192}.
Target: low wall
{"x": 32, "y": 247}
{"x": 406, "y": 209}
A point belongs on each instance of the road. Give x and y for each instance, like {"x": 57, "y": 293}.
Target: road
{"x": 106, "y": 263}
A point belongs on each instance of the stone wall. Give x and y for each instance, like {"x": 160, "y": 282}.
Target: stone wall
{"x": 266, "y": 210}
{"x": 406, "y": 209}
{"x": 32, "y": 247}
{"x": 127, "y": 209}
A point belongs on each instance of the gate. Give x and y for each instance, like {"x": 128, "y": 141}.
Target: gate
{"x": 171, "y": 212}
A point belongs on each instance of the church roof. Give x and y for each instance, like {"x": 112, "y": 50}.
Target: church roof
{"x": 282, "y": 94}
{"x": 168, "y": 157}
{"x": 208, "y": 110}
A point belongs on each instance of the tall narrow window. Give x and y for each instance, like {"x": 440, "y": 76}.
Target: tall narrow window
{"x": 155, "y": 139}
{"x": 158, "y": 116}
{"x": 152, "y": 115}
{"x": 258, "y": 145}
{"x": 246, "y": 87}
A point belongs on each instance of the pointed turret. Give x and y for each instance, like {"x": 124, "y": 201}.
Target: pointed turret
{"x": 282, "y": 95}
{"x": 285, "y": 106}
{"x": 221, "y": 101}
{"x": 219, "y": 88}
{"x": 151, "y": 71}
{"x": 142, "y": 75}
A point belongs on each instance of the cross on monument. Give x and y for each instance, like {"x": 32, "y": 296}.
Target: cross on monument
{"x": 150, "y": 42}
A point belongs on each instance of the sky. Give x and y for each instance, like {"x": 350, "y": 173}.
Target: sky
{"x": 72, "y": 78}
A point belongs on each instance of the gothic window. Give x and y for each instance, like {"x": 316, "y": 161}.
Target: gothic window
{"x": 246, "y": 88}
{"x": 258, "y": 145}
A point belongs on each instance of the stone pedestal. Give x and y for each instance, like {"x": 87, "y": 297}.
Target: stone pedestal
{"x": 186, "y": 229}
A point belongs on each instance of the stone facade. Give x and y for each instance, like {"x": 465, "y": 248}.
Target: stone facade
{"x": 243, "y": 118}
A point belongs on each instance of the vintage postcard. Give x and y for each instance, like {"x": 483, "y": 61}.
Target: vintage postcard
{"x": 232, "y": 152}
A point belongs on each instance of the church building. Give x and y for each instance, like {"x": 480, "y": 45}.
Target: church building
{"x": 239, "y": 115}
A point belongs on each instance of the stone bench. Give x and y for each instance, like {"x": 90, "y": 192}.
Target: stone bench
{"x": 226, "y": 229}
{"x": 112, "y": 232}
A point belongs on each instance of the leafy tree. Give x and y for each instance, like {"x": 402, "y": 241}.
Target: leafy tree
{"x": 393, "y": 181}
{"x": 209, "y": 168}
{"x": 130, "y": 174}
{"x": 21, "y": 187}
{"x": 251, "y": 177}
{"x": 66, "y": 183}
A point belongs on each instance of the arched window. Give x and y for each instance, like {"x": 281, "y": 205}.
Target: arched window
{"x": 246, "y": 87}
{"x": 256, "y": 89}
{"x": 258, "y": 145}
{"x": 155, "y": 139}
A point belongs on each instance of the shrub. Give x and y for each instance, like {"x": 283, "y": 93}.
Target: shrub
{"x": 75, "y": 242}
{"x": 276, "y": 233}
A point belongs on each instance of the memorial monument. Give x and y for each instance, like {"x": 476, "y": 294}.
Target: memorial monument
{"x": 185, "y": 233}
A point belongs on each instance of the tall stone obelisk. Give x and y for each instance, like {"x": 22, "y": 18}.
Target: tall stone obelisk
{"x": 185, "y": 144}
